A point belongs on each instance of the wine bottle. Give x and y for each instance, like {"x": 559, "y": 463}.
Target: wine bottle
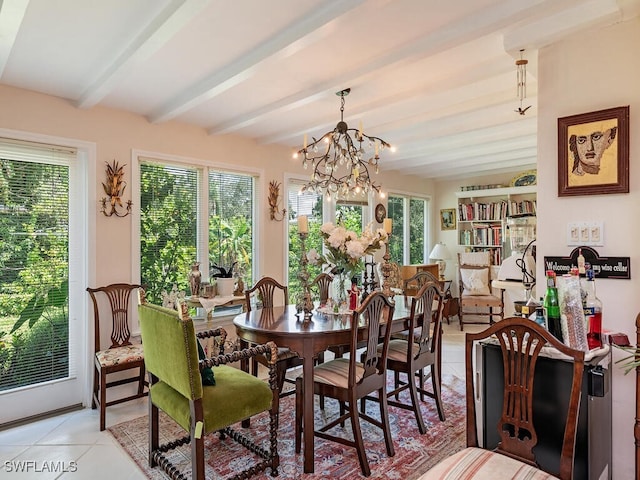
{"x": 552, "y": 306}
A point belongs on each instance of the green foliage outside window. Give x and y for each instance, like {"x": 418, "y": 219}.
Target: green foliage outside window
{"x": 169, "y": 226}
{"x": 34, "y": 242}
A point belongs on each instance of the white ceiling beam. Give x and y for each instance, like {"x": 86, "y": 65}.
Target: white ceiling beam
{"x": 524, "y": 127}
{"x": 160, "y": 30}
{"x": 11, "y": 15}
{"x": 280, "y": 44}
{"x": 541, "y": 32}
{"x": 490, "y": 170}
{"x": 456, "y": 152}
{"x": 458, "y": 169}
{"x": 463, "y": 30}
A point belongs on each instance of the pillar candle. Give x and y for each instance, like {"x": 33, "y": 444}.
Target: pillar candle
{"x": 303, "y": 224}
{"x": 387, "y": 225}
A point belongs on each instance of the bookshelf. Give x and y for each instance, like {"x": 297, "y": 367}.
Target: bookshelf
{"x": 482, "y": 215}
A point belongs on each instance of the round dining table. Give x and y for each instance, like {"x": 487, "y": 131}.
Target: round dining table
{"x": 307, "y": 338}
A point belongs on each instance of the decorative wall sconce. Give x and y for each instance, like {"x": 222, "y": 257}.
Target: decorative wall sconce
{"x": 114, "y": 188}
{"x": 274, "y": 193}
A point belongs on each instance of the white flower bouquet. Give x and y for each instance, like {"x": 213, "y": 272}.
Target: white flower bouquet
{"x": 345, "y": 249}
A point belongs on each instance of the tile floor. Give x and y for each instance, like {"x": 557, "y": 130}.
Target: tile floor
{"x": 71, "y": 441}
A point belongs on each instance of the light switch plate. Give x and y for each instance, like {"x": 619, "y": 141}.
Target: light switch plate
{"x": 585, "y": 233}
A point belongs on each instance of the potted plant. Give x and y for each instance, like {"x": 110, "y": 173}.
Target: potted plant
{"x": 224, "y": 278}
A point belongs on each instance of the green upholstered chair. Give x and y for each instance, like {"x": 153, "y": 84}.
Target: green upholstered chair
{"x": 176, "y": 387}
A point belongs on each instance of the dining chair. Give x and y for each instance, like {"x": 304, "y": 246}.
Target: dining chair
{"x": 476, "y": 299}
{"x": 265, "y": 289}
{"x": 411, "y": 357}
{"x": 520, "y": 342}
{"x": 122, "y": 354}
{"x": 323, "y": 282}
{"x": 415, "y": 283}
{"x": 177, "y": 375}
{"x": 348, "y": 380}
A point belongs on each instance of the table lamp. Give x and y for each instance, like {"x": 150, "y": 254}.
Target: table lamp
{"x": 440, "y": 254}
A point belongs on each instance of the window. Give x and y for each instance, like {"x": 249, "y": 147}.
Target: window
{"x": 175, "y": 229}
{"x": 410, "y": 221}
{"x": 43, "y": 250}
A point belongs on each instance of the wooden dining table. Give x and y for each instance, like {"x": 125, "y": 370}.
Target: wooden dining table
{"x": 307, "y": 339}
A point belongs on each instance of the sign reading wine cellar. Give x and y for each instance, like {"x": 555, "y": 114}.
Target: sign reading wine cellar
{"x": 603, "y": 267}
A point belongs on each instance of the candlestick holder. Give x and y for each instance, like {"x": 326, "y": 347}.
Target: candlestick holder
{"x": 386, "y": 271}
{"x": 304, "y": 303}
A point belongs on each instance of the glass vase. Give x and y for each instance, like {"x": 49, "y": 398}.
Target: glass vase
{"x": 340, "y": 284}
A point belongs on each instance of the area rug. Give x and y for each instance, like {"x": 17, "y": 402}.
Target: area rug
{"x": 414, "y": 453}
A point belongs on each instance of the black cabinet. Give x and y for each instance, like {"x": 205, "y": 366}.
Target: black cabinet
{"x": 552, "y": 386}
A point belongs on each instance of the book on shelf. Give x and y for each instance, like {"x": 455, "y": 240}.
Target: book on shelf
{"x": 478, "y": 211}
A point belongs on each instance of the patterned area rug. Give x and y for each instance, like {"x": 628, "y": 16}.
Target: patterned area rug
{"x": 415, "y": 453}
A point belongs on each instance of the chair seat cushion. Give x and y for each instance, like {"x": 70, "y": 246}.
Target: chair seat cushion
{"x": 236, "y": 396}
{"x": 336, "y": 372}
{"x": 480, "y": 301}
{"x": 120, "y": 355}
{"x": 398, "y": 350}
{"x": 477, "y": 463}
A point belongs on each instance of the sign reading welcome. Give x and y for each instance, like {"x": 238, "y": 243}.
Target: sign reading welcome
{"x": 603, "y": 267}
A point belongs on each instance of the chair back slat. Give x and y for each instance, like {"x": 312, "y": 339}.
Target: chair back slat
{"x": 323, "y": 282}
{"x": 521, "y": 341}
{"x": 266, "y": 288}
{"x": 426, "y": 311}
{"x": 119, "y": 295}
{"x": 375, "y": 311}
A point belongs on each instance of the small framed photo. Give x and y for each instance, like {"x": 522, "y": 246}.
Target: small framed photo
{"x": 448, "y": 219}
{"x": 593, "y": 153}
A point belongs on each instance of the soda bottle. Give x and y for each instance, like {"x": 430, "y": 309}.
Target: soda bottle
{"x": 593, "y": 313}
{"x": 552, "y": 306}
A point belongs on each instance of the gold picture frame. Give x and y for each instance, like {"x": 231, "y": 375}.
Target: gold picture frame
{"x": 448, "y": 219}
{"x": 593, "y": 153}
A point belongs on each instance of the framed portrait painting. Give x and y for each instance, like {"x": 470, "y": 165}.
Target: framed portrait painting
{"x": 448, "y": 219}
{"x": 593, "y": 153}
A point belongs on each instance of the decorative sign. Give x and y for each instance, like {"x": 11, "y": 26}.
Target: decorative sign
{"x": 603, "y": 267}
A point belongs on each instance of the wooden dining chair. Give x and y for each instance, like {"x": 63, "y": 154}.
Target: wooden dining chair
{"x": 349, "y": 380}
{"x": 520, "y": 342}
{"x": 411, "y": 357}
{"x": 121, "y": 354}
{"x": 323, "y": 282}
{"x": 265, "y": 289}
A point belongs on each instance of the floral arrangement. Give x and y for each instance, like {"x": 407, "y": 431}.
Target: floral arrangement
{"x": 345, "y": 249}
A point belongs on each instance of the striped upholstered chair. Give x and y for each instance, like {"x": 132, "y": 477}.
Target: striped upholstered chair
{"x": 520, "y": 341}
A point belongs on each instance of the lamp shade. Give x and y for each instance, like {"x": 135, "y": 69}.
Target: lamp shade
{"x": 440, "y": 252}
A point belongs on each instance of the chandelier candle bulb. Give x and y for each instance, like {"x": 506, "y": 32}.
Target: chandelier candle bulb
{"x": 303, "y": 224}
{"x": 387, "y": 225}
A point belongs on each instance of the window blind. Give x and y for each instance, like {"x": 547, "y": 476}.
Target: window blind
{"x": 34, "y": 264}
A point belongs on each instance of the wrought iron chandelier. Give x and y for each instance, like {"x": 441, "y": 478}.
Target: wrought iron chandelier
{"x": 341, "y": 160}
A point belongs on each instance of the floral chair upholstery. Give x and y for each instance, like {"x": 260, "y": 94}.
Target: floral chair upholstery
{"x": 122, "y": 354}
